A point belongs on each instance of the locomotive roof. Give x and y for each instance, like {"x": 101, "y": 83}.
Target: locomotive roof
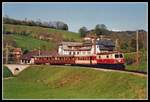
{"x": 110, "y": 52}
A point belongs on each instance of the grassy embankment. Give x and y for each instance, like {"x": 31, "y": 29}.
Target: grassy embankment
{"x": 142, "y": 66}
{"x": 68, "y": 82}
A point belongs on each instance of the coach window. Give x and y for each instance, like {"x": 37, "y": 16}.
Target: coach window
{"x": 99, "y": 56}
{"x": 79, "y": 58}
{"x": 77, "y": 52}
{"x": 84, "y": 58}
{"x": 107, "y": 56}
{"x": 87, "y": 58}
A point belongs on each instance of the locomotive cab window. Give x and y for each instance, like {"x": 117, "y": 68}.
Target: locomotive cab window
{"x": 116, "y": 56}
{"x": 121, "y": 56}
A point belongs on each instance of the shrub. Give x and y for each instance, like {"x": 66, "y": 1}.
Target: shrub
{"x": 7, "y": 72}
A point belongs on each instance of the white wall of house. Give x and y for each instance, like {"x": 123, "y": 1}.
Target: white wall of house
{"x": 97, "y": 49}
{"x": 61, "y": 50}
{"x": 92, "y": 49}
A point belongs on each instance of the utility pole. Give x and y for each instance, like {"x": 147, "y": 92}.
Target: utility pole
{"x": 101, "y": 36}
{"x": 116, "y": 44}
{"x": 137, "y": 48}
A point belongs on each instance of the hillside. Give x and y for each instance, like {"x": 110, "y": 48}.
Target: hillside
{"x": 36, "y": 31}
{"x": 67, "y": 82}
{"x": 33, "y": 37}
{"x": 29, "y": 43}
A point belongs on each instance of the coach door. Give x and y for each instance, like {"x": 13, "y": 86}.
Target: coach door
{"x": 90, "y": 59}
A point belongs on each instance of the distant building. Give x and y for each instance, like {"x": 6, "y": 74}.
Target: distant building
{"x": 17, "y": 53}
{"x": 74, "y": 48}
{"x": 90, "y": 46}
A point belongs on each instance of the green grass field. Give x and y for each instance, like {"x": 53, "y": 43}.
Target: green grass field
{"x": 70, "y": 82}
{"x": 29, "y": 43}
{"x": 34, "y": 30}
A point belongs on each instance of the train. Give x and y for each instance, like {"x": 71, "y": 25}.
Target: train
{"x": 114, "y": 59}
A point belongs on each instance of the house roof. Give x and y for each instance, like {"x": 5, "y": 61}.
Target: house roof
{"x": 79, "y": 49}
{"x": 72, "y": 43}
{"x": 105, "y": 42}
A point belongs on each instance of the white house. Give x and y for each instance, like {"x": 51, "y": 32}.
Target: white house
{"x": 93, "y": 47}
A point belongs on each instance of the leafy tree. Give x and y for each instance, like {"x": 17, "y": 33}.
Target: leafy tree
{"x": 133, "y": 45}
{"x": 25, "y": 51}
{"x": 65, "y": 27}
{"x": 55, "y": 25}
{"x": 98, "y": 30}
{"x": 101, "y": 29}
{"x": 83, "y": 31}
{"x": 124, "y": 46}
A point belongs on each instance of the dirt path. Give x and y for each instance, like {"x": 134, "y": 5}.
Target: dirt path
{"x": 121, "y": 71}
{"x": 8, "y": 78}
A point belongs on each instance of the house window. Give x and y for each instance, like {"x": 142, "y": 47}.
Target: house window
{"x": 69, "y": 53}
{"x": 73, "y": 53}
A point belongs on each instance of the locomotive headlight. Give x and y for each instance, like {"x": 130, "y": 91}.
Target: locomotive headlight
{"x": 119, "y": 60}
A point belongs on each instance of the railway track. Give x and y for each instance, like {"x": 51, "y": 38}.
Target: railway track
{"x": 113, "y": 69}
{"x": 140, "y": 73}
{"x": 117, "y": 69}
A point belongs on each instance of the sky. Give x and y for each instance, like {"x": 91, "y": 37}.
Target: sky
{"x": 116, "y": 16}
